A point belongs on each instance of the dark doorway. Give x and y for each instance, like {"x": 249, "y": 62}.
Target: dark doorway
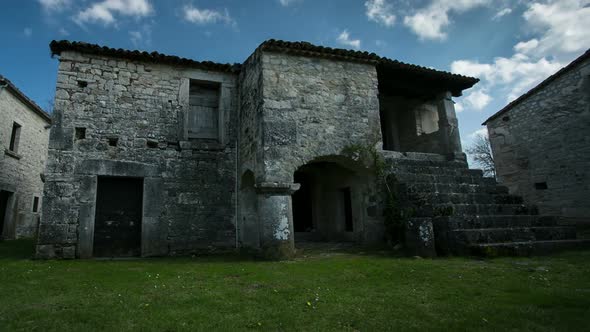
{"x": 117, "y": 228}
{"x": 302, "y": 203}
{"x": 347, "y": 200}
{"x": 323, "y": 207}
{"x": 4, "y": 196}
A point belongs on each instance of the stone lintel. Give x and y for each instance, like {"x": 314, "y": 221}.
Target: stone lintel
{"x": 277, "y": 188}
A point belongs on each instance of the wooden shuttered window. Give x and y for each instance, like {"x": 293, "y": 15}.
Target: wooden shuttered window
{"x": 203, "y": 114}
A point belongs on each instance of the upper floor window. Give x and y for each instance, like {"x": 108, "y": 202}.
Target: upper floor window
{"x": 203, "y": 115}
{"x": 14, "y": 137}
{"x": 35, "y": 204}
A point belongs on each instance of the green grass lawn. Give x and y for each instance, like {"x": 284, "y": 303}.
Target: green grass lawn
{"x": 319, "y": 292}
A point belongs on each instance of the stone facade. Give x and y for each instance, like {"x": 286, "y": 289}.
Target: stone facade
{"x": 293, "y": 116}
{"x": 541, "y": 144}
{"x": 22, "y": 164}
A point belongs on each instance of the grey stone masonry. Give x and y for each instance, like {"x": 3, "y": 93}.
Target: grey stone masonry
{"x": 21, "y": 168}
{"x": 257, "y": 156}
{"x": 541, "y": 143}
{"x": 122, "y": 118}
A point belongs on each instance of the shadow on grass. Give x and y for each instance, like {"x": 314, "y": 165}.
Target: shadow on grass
{"x": 25, "y": 249}
{"x": 17, "y": 249}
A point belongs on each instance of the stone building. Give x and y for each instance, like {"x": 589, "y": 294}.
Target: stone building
{"x": 24, "y": 135}
{"x": 541, "y": 143}
{"x": 158, "y": 155}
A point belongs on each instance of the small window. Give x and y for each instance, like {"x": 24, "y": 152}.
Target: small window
{"x": 541, "y": 185}
{"x": 113, "y": 141}
{"x": 15, "y": 137}
{"x": 80, "y": 133}
{"x": 36, "y": 204}
{"x": 203, "y": 114}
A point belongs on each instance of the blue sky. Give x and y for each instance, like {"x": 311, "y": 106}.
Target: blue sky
{"x": 510, "y": 44}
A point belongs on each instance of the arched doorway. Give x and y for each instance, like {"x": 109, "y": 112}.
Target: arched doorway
{"x": 327, "y": 207}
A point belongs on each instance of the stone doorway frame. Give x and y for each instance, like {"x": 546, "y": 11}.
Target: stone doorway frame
{"x": 153, "y": 234}
{"x": 9, "y": 227}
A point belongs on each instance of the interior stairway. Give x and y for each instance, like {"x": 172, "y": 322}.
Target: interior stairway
{"x": 470, "y": 214}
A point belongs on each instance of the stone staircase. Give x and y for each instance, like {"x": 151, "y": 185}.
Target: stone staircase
{"x": 470, "y": 214}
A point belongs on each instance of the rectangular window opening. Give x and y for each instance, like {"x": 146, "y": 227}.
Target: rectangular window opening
{"x": 14, "y": 137}
{"x": 113, "y": 141}
{"x": 80, "y": 133}
{"x": 203, "y": 114}
{"x": 36, "y": 204}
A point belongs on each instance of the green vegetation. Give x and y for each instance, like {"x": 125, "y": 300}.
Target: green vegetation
{"x": 329, "y": 291}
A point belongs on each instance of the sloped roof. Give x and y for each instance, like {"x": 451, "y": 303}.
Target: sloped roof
{"x": 540, "y": 86}
{"x": 26, "y": 100}
{"x": 459, "y": 82}
{"x": 308, "y": 49}
{"x": 64, "y": 45}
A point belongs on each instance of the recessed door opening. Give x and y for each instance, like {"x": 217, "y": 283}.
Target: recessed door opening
{"x": 117, "y": 225}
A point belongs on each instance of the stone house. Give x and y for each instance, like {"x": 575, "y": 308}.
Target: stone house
{"x": 159, "y": 155}
{"x": 541, "y": 143}
{"x": 24, "y": 135}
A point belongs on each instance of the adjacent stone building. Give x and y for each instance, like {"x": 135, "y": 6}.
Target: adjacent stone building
{"x": 158, "y": 155}
{"x": 541, "y": 143}
{"x": 24, "y": 135}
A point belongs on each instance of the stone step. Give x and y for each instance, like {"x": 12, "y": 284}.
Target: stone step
{"x": 492, "y": 221}
{"x": 459, "y": 198}
{"x": 527, "y": 248}
{"x": 437, "y": 171}
{"x": 455, "y": 188}
{"x": 510, "y": 234}
{"x": 478, "y": 209}
{"x": 443, "y": 179}
{"x": 425, "y": 163}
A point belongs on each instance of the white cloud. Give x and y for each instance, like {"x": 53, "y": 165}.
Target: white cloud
{"x": 63, "y": 32}
{"x": 483, "y": 131}
{"x": 459, "y": 107}
{"x": 527, "y": 46}
{"x": 477, "y": 100}
{"x": 55, "y": 5}
{"x": 564, "y": 25}
{"x": 104, "y": 12}
{"x": 430, "y": 22}
{"x": 286, "y": 3}
{"x": 344, "y": 39}
{"x": 515, "y": 75}
{"x": 142, "y": 37}
{"x": 380, "y": 11}
{"x": 28, "y": 32}
{"x": 206, "y": 16}
{"x": 502, "y": 13}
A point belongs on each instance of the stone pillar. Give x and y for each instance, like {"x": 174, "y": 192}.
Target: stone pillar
{"x": 449, "y": 127}
{"x": 276, "y": 219}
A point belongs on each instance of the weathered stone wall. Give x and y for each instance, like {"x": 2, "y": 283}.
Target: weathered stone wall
{"x": 189, "y": 186}
{"x": 545, "y": 140}
{"x": 250, "y": 149}
{"x": 315, "y": 107}
{"x": 21, "y": 173}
